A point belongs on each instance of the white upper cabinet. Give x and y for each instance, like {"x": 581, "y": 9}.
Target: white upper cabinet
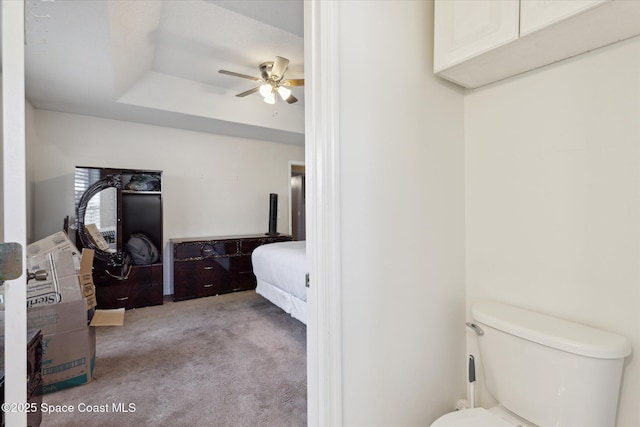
{"x": 472, "y": 27}
{"x": 537, "y": 14}
{"x": 480, "y": 42}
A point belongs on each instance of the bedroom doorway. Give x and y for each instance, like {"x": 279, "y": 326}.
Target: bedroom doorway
{"x": 297, "y": 217}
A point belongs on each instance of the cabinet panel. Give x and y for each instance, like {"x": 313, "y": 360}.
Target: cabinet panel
{"x": 142, "y": 213}
{"x": 537, "y": 14}
{"x": 467, "y": 28}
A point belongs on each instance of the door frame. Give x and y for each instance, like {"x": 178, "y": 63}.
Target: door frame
{"x": 324, "y": 329}
{"x": 14, "y": 206}
{"x": 322, "y": 171}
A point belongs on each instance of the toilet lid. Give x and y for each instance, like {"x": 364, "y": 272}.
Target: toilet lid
{"x": 476, "y": 417}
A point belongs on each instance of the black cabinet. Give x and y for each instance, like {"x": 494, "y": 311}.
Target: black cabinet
{"x": 206, "y": 266}
{"x": 134, "y": 207}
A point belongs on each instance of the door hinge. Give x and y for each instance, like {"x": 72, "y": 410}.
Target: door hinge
{"x": 306, "y": 280}
{"x": 10, "y": 261}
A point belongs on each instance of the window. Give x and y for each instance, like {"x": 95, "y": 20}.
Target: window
{"x": 84, "y": 178}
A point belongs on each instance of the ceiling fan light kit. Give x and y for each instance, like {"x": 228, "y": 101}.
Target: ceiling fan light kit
{"x": 284, "y": 93}
{"x": 266, "y": 90}
{"x": 270, "y": 99}
{"x": 271, "y": 81}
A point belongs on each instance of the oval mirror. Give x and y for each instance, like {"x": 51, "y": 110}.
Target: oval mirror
{"x": 97, "y": 220}
{"x": 100, "y": 219}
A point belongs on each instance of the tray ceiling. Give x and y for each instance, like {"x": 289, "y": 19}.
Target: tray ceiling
{"x": 157, "y": 62}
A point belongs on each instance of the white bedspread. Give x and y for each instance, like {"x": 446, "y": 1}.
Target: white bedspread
{"x": 280, "y": 269}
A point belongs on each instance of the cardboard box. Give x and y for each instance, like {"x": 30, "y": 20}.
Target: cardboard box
{"x": 68, "y": 343}
{"x": 57, "y": 242}
{"x": 60, "y": 259}
{"x": 61, "y": 307}
{"x": 85, "y": 277}
{"x": 96, "y": 237}
{"x": 61, "y": 283}
{"x": 69, "y": 273}
{"x": 56, "y": 318}
{"x": 68, "y": 358}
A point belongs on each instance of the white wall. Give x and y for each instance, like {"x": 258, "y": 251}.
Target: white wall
{"x": 402, "y": 172}
{"x": 213, "y": 185}
{"x": 552, "y": 194}
{"x": 30, "y": 131}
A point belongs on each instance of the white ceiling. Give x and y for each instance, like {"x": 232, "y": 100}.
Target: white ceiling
{"x": 157, "y": 62}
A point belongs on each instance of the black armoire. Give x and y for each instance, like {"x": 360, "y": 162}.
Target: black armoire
{"x": 119, "y": 213}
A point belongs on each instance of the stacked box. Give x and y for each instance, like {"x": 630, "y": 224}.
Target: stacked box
{"x": 61, "y": 307}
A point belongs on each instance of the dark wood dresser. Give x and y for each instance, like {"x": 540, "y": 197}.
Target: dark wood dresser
{"x": 207, "y": 266}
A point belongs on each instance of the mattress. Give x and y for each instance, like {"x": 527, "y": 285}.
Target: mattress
{"x": 280, "y": 270}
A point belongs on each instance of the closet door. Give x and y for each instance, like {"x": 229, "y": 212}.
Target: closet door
{"x": 467, "y": 28}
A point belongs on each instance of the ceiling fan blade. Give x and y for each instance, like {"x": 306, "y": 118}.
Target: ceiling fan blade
{"x": 249, "y": 92}
{"x": 293, "y": 82}
{"x": 279, "y": 68}
{"x": 291, "y": 99}
{"x": 244, "y": 76}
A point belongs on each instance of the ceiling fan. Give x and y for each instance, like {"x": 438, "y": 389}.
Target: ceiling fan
{"x": 271, "y": 81}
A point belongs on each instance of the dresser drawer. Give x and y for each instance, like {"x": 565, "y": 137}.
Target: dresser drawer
{"x": 199, "y": 278}
{"x": 204, "y": 249}
{"x": 142, "y": 287}
{"x": 129, "y": 296}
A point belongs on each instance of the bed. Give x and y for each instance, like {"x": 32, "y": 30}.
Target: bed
{"x": 280, "y": 270}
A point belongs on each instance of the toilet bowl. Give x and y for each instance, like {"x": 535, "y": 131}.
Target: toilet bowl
{"x": 480, "y": 417}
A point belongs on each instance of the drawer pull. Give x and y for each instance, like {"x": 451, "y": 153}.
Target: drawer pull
{"x": 208, "y": 285}
{"x": 122, "y": 299}
{"x": 208, "y": 268}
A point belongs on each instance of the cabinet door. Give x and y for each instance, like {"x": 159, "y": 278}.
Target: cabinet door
{"x": 467, "y": 28}
{"x": 537, "y": 14}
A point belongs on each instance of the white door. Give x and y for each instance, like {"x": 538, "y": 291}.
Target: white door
{"x": 14, "y": 224}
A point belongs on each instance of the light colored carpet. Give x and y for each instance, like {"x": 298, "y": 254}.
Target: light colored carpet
{"x": 229, "y": 360}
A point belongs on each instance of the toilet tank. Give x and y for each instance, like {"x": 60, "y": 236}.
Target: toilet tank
{"x": 550, "y": 371}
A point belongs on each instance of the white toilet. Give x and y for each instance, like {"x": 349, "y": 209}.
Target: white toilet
{"x": 543, "y": 371}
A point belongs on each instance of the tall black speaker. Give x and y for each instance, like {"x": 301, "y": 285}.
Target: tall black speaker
{"x": 273, "y": 214}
